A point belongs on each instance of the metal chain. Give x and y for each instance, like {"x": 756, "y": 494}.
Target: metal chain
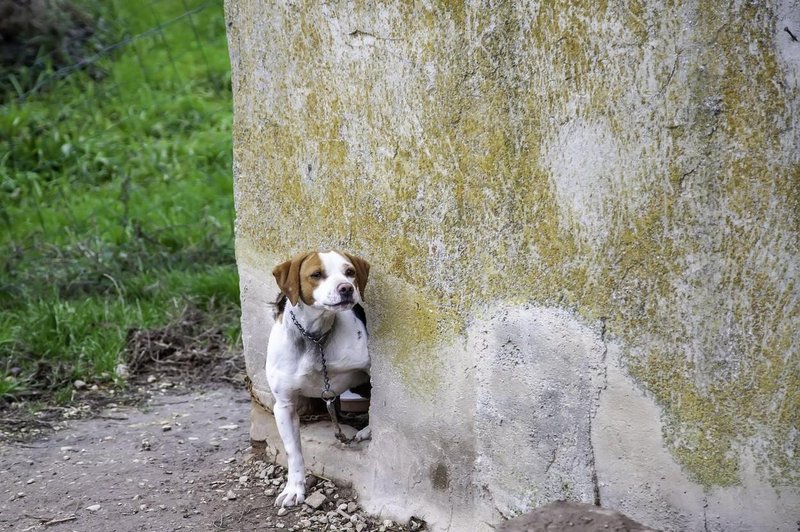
{"x": 327, "y": 395}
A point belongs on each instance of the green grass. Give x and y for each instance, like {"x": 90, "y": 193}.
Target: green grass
{"x": 117, "y": 199}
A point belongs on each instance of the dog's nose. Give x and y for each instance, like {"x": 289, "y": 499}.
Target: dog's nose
{"x": 345, "y": 290}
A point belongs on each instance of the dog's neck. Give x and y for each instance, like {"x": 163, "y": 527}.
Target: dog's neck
{"x": 315, "y": 321}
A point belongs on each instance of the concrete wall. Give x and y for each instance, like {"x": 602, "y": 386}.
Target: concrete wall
{"x": 583, "y": 221}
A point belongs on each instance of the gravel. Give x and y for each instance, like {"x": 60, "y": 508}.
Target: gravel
{"x": 327, "y": 507}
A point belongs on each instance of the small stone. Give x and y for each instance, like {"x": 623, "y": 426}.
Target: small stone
{"x": 315, "y": 500}
{"x": 351, "y": 507}
{"x": 231, "y": 496}
{"x": 142, "y": 507}
{"x": 322, "y": 520}
{"x": 329, "y": 491}
{"x": 360, "y": 527}
{"x": 269, "y": 492}
{"x": 151, "y": 379}
{"x": 93, "y": 508}
{"x": 31, "y": 481}
{"x": 243, "y": 479}
{"x": 279, "y": 525}
{"x": 122, "y": 371}
{"x": 388, "y": 522}
{"x": 305, "y": 523}
{"x": 145, "y": 446}
{"x": 276, "y": 482}
{"x": 342, "y": 507}
{"x": 66, "y": 448}
{"x": 166, "y": 428}
{"x": 79, "y": 385}
{"x": 354, "y": 518}
{"x": 282, "y": 511}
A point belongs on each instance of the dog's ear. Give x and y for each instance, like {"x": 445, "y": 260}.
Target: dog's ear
{"x": 362, "y": 272}
{"x": 287, "y": 275}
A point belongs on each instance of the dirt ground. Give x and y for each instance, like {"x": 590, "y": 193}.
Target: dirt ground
{"x": 178, "y": 461}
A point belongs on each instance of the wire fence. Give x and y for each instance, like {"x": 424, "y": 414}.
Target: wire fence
{"x": 133, "y": 37}
{"x": 157, "y": 62}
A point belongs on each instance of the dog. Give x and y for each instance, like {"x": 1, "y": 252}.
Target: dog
{"x": 319, "y": 304}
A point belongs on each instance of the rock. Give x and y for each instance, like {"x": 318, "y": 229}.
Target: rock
{"x": 269, "y": 492}
{"x": 315, "y": 500}
{"x": 243, "y": 479}
{"x": 166, "y": 428}
{"x": 360, "y": 527}
{"x": 322, "y": 520}
{"x": 151, "y": 379}
{"x": 79, "y": 385}
{"x": 94, "y": 387}
{"x": 93, "y": 508}
{"x": 122, "y": 371}
{"x": 387, "y": 523}
{"x": 231, "y": 496}
{"x": 282, "y": 511}
{"x": 351, "y": 507}
{"x": 342, "y": 507}
{"x": 564, "y": 515}
{"x": 304, "y": 523}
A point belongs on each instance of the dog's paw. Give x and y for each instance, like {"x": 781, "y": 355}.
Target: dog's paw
{"x": 291, "y": 495}
{"x": 363, "y": 434}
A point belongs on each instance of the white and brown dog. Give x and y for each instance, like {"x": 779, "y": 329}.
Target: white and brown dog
{"x": 320, "y": 296}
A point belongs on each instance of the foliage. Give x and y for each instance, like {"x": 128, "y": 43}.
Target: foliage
{"x": 117, "y": 197}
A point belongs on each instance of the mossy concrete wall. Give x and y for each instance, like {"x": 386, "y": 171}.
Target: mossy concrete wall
{"x": 583, "y": 220}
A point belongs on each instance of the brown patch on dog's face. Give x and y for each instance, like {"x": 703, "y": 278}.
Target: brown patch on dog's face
{"x": 292, "y": 275}
{"x": 312, "y": 273}
{"x": 362, "y": 271}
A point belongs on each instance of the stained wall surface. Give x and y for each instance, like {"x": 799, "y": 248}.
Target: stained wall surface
{"x": 583, "y": 222}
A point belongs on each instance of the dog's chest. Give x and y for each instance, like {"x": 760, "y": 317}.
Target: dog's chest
{"x": 297, "y": 362}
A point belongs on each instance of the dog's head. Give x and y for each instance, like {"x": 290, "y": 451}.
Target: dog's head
{"x": 331, "y": 280}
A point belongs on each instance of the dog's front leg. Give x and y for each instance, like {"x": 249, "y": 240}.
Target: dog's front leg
{"x": 289, "y": 428}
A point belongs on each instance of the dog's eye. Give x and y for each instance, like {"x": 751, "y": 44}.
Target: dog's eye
{"x": 316, "y": 275}
{"x": 350, "y": 272}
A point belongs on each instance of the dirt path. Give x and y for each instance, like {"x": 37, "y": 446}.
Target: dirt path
{"x": 177, "y": 462}
{"x": 148, "y": 468}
